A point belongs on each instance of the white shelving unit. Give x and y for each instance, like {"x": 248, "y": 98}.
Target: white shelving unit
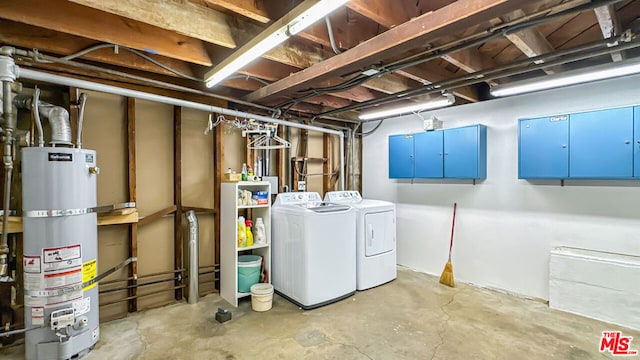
{"x": 229, "y": 250}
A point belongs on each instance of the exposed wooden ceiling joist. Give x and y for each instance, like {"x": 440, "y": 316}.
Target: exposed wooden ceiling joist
{"x": 45, "y": 40}
{"x": 381, "y": 12}
{"x": 401, "y": 38}
{"x": 530, "y": 41}
{"x": 182, "y": 17}
{"x": 86, "y": 22}
{"x": 437, "y": 74}
{"x": 470, "y": 60}
{"x": 610, "y": 26}
{"x": 253, "y": 9}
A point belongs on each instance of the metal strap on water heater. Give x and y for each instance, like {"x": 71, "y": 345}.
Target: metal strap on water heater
{"x": 72, "y": 212}
{"x": 81, "y": 286}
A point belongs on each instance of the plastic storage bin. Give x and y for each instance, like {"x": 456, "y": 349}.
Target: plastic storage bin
{"x": 248, "y": 271}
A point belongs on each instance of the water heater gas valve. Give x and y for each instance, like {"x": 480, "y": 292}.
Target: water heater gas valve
{"x": 62, "y": 318}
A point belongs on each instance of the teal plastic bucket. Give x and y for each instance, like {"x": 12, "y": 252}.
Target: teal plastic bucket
{"x": 248, "y": 272}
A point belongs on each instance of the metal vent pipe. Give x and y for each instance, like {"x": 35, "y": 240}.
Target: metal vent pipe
{"x": 193, "y": 256}
{"x": 57, "y": 115}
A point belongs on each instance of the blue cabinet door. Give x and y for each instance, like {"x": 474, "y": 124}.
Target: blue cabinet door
{"x": 543, "y": 148}
{"x": 400, "y": 156}
{"x": 636, "y": 141}
{"x": 427, "y": 149}
{"x": 601, "y": 144}
{"x": 465, "y": 152}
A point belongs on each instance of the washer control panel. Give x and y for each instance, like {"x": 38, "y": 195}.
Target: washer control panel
{"x": 297, "y": 197}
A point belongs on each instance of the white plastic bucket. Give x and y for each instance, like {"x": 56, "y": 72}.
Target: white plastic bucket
{"x": 261, "y": 297}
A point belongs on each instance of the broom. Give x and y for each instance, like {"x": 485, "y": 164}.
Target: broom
{"x": 447, "y": 274}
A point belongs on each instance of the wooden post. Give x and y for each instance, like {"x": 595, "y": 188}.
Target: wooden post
{"x": 133, "y": 230}
{"x": 218, "y": 173}
{"x": 326, "y": 166}
{"x": 178, "y": 260}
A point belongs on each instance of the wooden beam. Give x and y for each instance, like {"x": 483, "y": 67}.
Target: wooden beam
{"x": 198, "y": 209}
{"x": 404, "y": 37}
{"x": 253, "y": 9}
{"x": 183, "y": 17}
{"x": 157, "y": 215}
{"x": 117, "y": 219}
{"x": 471, "y": 60}
{"x": 218, "y": 175}
{"x": 178, "y": 261}
{"x": 610, "y": 26}
{"x": 86, "y": 22}
{"x": 131, "y": 175}
{"x": 381, "y": 12}
{"x": 46, "y": 40}
{"x": 436, "y": 74}
{"x": 326, "y": 166}
{"x": 390, "y": 83}
{"x": 530, "y": 41}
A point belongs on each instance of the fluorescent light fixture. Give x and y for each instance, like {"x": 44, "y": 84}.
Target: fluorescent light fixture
{"x": 434, "y": 104}
{"x": 573, "y": 77}
{"x": 314, "y": 13}
{"x": 220, "y": 73}
{"x": 292, "y": 23}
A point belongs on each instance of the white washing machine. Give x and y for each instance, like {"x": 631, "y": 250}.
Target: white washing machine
{"x": 375, "y": 237}
{"x": 313, "y": 260}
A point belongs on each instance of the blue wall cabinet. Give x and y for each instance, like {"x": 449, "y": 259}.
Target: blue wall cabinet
{"x": 636, "y": 141}
{"x": 401, "y": 156}
{"x": 543, "y": 149}
{"x": 465, "y": 152}
{"x": 428, "y": 152}
{"x": 601, "y": 144}
{"x": 459, "y": 153}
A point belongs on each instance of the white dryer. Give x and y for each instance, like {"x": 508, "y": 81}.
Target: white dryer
{"x": 375, "y": 237}
{"x": 313, "y": 260}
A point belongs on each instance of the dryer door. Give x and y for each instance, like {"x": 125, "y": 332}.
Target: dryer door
{"x": 379, "y": 233}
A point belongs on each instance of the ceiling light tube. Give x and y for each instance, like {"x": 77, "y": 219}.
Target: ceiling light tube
{"x": 446, "y": 100}
{"x": 595, "y": 73}
{"x": 292, "y": 23}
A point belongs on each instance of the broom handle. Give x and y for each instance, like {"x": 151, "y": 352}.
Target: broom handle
{"x": 453, "y": 223}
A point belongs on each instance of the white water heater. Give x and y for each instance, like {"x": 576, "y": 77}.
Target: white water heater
{"x": 60, "y": 252}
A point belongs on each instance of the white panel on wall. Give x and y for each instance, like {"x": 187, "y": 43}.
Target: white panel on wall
{"x": 505, "y": 227}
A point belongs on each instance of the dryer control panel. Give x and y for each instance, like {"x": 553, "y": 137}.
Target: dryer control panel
{"x": 351, "y": 196}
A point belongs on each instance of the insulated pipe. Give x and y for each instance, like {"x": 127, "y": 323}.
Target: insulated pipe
{"x": 193, "y": 256}
{"x": 62, "y": 80}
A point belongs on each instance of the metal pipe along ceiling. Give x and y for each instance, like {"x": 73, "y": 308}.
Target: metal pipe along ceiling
{"x": 83, "y": 84}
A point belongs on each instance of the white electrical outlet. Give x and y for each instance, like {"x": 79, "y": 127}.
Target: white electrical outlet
{"x": 302, "y": 186}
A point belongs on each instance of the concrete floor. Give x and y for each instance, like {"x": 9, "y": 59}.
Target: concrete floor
{"x": 413, "y": 317}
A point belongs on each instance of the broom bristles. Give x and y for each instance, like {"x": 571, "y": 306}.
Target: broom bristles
{"x": 447, "y": 275}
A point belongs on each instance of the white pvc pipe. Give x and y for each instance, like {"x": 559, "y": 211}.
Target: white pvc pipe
{"x": 83, "y": 84}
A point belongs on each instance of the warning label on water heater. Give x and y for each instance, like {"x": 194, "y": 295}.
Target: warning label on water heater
{"x": 61, "y": 254}
{"x": 89, "y": 272}
{"x": 46, "y": 276}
